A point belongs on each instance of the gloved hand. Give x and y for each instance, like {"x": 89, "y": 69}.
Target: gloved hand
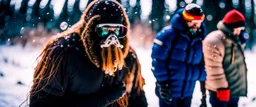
{"x": 223, "y": 94}
{"x": 119, "y": 75}
{"x": 117, "y": 92}
{"x": 165, "y": 92}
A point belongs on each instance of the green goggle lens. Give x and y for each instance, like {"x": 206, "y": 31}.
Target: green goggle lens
{"x": 103, "y": 30}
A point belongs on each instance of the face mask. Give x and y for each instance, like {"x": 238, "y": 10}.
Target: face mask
{"x": 243, "y": 36}
{"x": 111, "y": 33}
{"x": 111, "y": 40}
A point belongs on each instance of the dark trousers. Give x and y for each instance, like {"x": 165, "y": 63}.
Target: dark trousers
{"x": 215, "y": 102}
{"x": 176, "y": 102}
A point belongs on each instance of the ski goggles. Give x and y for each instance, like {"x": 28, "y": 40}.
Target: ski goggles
{"x": 104, "y": 30}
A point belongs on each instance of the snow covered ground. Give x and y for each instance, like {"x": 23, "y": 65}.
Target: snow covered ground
{"x": 16, "y": 70}
{"x": 16, "y": 65}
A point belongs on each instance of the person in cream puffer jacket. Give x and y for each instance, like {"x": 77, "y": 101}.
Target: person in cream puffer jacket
{"x": 225, "y": 61}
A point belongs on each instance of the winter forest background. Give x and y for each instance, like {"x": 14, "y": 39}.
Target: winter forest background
{"x": 25, "y": 25}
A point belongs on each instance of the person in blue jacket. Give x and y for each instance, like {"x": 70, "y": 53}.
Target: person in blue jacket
{"x": 177, "y": 57}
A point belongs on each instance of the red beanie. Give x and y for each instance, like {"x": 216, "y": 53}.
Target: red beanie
{"x": 234, "y": 19}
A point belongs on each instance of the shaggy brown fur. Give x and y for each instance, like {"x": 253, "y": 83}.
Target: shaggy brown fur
{"x": 49, "y": 61}
{"x": 134, "y": 77}
{"x": 112, "y": 59}
{"x": 86, "y": 36}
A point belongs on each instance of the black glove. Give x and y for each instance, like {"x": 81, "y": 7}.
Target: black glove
{"x": 165, "y": 92}
{"x": 117, "y": 92}
{"x": 119, "y": 75}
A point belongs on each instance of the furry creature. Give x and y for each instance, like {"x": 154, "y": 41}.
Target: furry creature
{"x": 51, "y": 69}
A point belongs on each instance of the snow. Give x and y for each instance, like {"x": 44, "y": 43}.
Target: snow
{"x": 17, "y": 63}
{"x": 19, "y": 67}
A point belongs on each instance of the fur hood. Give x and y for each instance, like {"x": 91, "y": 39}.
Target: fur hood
{"x": 85, "y": 28}
{"x": 90, "y": 42}
{"x": 221, "y": 26}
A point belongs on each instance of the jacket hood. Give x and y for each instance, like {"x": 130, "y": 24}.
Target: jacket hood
{"x": 91, "y": 40}
{"x": 180, "y": 23}
{"x": 221, "y": 26}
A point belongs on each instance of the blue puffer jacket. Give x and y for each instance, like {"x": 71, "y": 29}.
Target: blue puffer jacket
{"x": 177, "y": 54}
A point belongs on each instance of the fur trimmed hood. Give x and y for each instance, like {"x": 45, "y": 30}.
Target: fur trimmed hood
{"x": 85, "y": 27}
{"x": 221, "y": 26}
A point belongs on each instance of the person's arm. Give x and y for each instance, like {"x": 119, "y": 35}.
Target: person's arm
{"x": 213, "y": 49}
{"x": 50, "y": 77}
{"x": 160, "y": 53}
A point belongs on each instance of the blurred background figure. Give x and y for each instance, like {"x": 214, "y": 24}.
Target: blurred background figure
{"x": 225, "y": 61}
{"x": 177, "y": 56}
